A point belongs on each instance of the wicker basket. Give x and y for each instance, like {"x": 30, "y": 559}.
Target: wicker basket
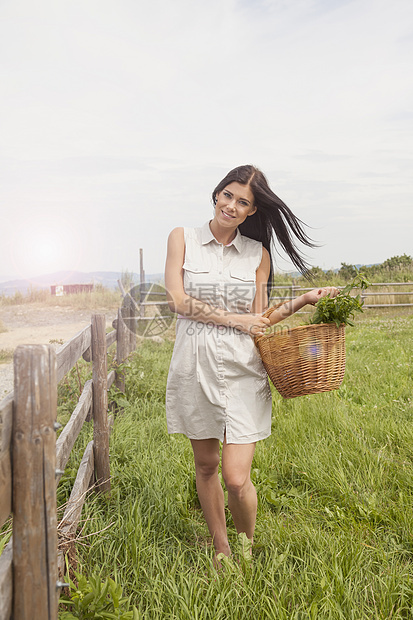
{"x": 304, "y": 360}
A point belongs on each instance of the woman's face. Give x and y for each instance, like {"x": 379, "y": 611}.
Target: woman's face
{"x": 234, "y": 204}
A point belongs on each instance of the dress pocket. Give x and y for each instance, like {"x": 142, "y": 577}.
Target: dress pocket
{"x": 198, "y": 282}
{"x": 244, "y": 276}
{"x": 241, "y": 290}
{"x": 195, "y": 267}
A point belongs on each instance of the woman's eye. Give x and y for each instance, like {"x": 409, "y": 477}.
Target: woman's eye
{"x": 227, "y": 195}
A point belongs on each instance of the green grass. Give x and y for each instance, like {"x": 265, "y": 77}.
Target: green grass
{"x": 334, "y": 535}
{"x": 6, "y": 356}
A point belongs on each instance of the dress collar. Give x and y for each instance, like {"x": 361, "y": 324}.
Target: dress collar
{"x": 207, "y": 237}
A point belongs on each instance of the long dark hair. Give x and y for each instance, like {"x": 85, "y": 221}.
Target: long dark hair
{"x": 272, "y": 218}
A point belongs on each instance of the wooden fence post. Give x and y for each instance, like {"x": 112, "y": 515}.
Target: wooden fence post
{"x": 122, "y": 349}
{"x": 141, "y": 284}
{"x": 132, "y": 324}
{"x": 100, "y": 403}
{"x": 35, "y": 593}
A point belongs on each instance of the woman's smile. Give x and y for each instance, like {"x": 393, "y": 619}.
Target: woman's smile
{"x": 227, "y": 215}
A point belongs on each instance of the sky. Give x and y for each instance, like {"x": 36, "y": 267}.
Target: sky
{"x": 118, "y": 119}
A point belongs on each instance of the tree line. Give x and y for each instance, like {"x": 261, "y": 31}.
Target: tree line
{"x": 394, "y": 269}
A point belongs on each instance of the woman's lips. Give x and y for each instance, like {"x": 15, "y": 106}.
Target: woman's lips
{"x": 228, "y": 215}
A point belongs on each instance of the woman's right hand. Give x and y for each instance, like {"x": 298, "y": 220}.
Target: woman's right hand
{"x": 252, "y": 324}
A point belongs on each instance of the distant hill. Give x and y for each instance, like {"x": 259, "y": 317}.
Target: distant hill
{"x": 109, "y": 279}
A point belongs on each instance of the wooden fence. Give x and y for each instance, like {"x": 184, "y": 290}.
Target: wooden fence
{"x": 32, "y": 461}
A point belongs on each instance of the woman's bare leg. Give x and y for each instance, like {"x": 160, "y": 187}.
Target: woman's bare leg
{"x": 210, "y": 492}
{"x": 242, "y": 497}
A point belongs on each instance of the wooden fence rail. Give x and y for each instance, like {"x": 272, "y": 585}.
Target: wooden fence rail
{"x": 32, "y": 461}
{"x": 293, "y": 291}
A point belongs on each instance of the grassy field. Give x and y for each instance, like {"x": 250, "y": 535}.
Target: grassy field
{"x": 334, "y": 535}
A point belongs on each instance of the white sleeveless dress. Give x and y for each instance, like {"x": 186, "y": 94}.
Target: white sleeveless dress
{"x": 217, "y": 383}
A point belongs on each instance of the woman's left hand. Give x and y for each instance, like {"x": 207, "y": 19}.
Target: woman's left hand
{"x": 312, "y": 297}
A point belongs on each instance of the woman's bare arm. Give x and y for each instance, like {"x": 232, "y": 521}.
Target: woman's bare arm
{"x": 296, "y": 304}
{"x": 260, "y": 302}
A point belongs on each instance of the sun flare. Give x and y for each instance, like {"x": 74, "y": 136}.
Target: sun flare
{"x": 42, "y": 247}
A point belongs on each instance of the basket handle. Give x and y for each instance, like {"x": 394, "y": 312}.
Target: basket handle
{"x": 271, "y": 309}
{"x": 267, "y": 314}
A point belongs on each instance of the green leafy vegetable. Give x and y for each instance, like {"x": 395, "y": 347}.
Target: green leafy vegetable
{"x": 341, "y": 309}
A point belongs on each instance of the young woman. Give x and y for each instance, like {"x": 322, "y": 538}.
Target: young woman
{"x": 217, "y": 279}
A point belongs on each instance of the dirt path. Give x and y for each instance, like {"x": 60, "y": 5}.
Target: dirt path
{"x": 37, "y": 324}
